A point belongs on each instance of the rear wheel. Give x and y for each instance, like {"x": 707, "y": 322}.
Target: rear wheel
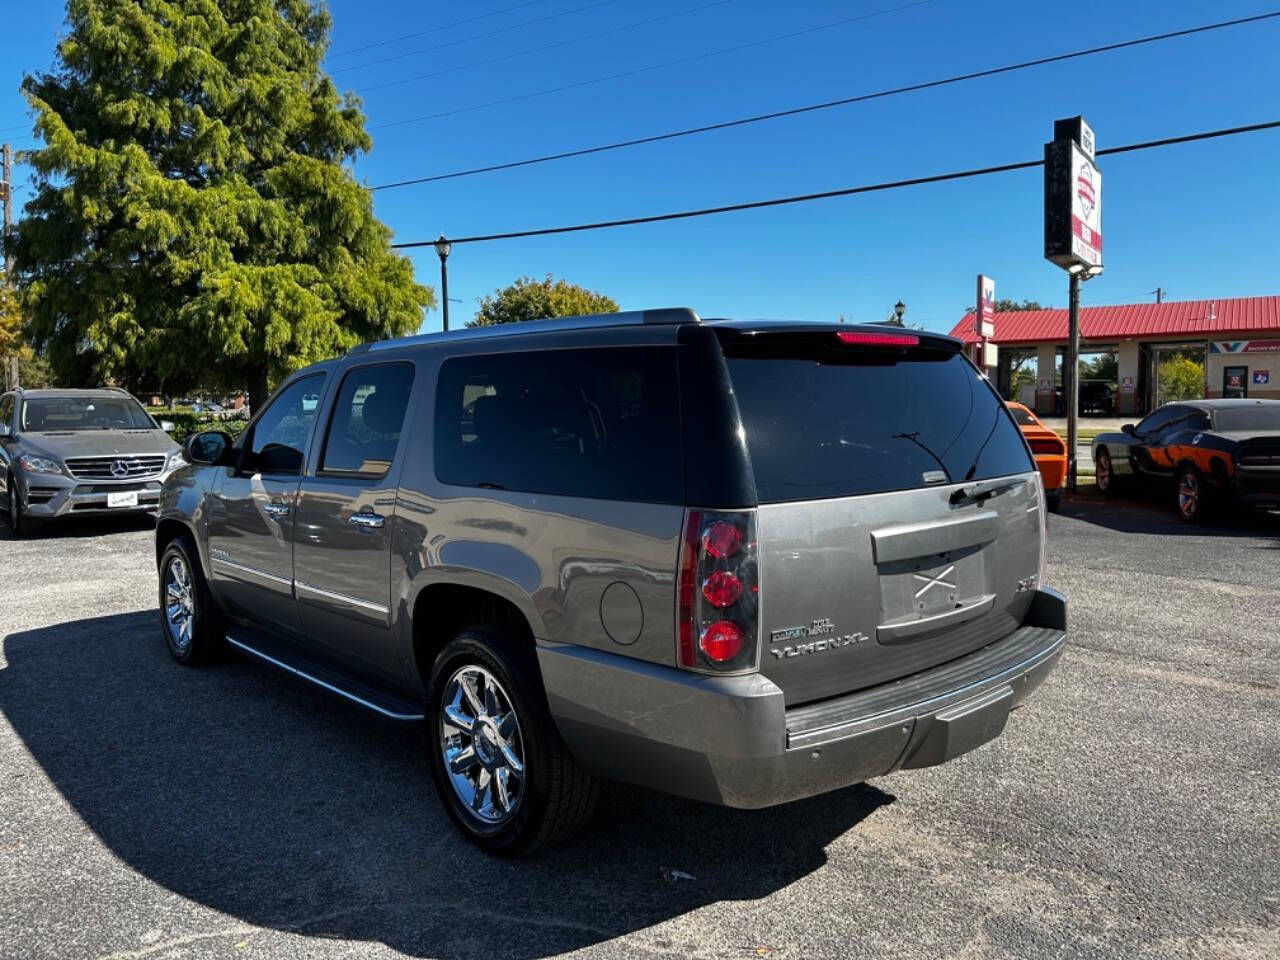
{"x": 19, "y": 523}
{"x": 1193, "y": 494}
{"x": 499, "y": 764}
{"x": 1054, "y": 500}
{"x": 1104, "y": 476}
{"x": 193, "y": 628}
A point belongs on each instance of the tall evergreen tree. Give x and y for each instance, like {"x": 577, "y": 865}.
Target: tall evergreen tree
{"x": 193, "y": 219}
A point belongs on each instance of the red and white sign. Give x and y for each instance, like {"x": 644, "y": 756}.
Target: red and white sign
{"x": 1126, "y": 383}
{"x": 985, "y": 319}
{"x": 1086, "y": 208}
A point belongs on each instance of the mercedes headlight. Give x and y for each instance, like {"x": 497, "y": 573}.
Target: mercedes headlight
{"x": 33, "y": 464}
{"x": 176, "y": 460}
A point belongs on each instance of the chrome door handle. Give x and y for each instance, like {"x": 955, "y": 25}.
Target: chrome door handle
{"x": 277, "y": 509}
{"x": 372, "y": 520}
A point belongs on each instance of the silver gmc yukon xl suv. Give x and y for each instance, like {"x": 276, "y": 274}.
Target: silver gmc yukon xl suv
{"x": 744, "y": 562}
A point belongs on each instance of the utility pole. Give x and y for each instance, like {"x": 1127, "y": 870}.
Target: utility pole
{"x": 1159, "y": 292}
{"x": 6, "y": 197}
{"x": 6, "y": 194}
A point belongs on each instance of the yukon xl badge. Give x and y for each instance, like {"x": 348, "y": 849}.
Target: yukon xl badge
{"x": 824, "y": 628}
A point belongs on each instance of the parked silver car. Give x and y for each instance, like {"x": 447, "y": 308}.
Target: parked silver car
{"x": 68, "y": 452}
{"x": 744, "y": 562}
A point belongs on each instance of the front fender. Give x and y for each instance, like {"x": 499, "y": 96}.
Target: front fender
{"x": 183, "y": 500}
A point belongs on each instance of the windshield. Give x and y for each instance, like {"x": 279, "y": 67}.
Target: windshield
{"x": 48, "y": 414}
{"x": 1248, "y": 418}
{"x": 830, "y": 421}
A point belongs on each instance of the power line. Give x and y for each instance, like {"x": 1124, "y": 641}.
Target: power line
{"x": 649, "y": 69}
{"x": 475, "y": 36}
{"x": 546, "y": 47}
{"x": 829, "y": 104}
{"x": 843, "y": 192}
{"x": 443, "y": 26}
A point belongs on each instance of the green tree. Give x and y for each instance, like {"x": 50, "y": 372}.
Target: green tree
{"x": 1181, "y": 378}
{"x": 193, "y": 219}
{"x": 1004, "y": 306}
{"x": 11, "y": 339}
{"x": 529, "y": 299}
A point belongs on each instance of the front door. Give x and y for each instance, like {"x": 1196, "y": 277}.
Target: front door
{"x": 343, "y": 528}
{"x": 251, "y": 521}
{"x": 1235, "y": 382}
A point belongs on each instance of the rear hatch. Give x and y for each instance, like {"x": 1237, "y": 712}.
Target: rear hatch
{"x": 900, "y": 520}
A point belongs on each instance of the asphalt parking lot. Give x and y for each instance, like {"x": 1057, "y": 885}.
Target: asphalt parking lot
{"x": 1131, "y": 809}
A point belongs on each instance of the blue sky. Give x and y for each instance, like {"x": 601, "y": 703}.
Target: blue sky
{"x": 1199, "y": 220}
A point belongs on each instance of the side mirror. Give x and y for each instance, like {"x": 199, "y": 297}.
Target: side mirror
{"x": 1127, "y": 428}
{"x": 167, "y": 426}
{"x": 212, "y": 448}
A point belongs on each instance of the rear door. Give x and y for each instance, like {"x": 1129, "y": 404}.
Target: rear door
{"x": 899, "y": 524}
{"x": 251, "y": 508}
{"x": 343, "y": 523}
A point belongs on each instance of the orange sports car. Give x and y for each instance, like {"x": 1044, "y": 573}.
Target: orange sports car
{"x": 1049, "y": 449}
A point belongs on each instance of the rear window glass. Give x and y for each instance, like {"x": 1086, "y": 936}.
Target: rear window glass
{"x": 832, "y": 421}
{"x": 1249, "y": 418}
{"x": 600, "y": 423}
{"x": 1022, "y": 417}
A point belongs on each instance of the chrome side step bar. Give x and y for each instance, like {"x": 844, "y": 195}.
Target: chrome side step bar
{"x": 393, "y": 713}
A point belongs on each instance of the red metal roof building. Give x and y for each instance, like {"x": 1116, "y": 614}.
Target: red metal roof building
{"x": 1197, "y": 319}
{"x": 1238, "y": 338}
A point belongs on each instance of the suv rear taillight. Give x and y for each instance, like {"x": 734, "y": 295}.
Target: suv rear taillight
{"x": 717, "y": 604}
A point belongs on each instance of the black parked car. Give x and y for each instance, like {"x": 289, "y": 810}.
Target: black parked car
{"x": 1209, "y": 448}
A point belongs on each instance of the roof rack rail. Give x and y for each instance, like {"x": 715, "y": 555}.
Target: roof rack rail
{"x": 664, "y": 315}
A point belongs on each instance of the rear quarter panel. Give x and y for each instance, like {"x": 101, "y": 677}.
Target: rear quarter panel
{"x": 597, "y": 573}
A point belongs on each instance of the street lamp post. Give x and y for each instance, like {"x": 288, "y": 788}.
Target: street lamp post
{"x": 443, "y": 246}
{"x": 899, "y": 309}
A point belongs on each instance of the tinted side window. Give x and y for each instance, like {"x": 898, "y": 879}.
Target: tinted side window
{"x": 6, "y": 414}
{"x": 600, "y": 423}
{"x": 1155, "y": 422}
{"x": 824, "y": 420}
{"x": 279, "y": 441}
{"x": 367, "y": 418}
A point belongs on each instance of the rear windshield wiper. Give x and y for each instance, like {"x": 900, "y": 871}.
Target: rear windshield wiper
{"x": 983, "y": 489}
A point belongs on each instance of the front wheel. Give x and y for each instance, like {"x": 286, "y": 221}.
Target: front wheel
{"x": 499, "y": 765}
{"x": 1193, "y": 494}
{"x": 19, "y": 523}
{"x": 193, "y": 628}
{"x": 1104, "y": 476}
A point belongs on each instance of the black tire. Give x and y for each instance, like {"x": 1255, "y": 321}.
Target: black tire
{"x": 553, "y": 798}
{"x": 1193, "y": 497}
{"x": 20, "y": 525}
{"x": 1054, "y": 501}
{"x": 204, "y": 638}
{"x": 1103, "y": 473}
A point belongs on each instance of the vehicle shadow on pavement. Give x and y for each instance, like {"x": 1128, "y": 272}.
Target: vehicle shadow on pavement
{"x": 253, "y": 794}
{"x": 1138, "y": 515}
{"x": 84, "y": 526}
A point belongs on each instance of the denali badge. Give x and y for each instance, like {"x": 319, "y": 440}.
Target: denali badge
{"x": 818, "y": 646}
{"x": 818, "y": 628}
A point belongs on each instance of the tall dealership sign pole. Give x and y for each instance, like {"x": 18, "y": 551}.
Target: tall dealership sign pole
{"x": 1073, "y": 241}
{"x": 984, "y": 321}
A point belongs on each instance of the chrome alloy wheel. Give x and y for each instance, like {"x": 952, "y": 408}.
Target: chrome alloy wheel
{"x": 481, "y": 745}
{"x": 1189, "y": 494}
{"x": 179, "y": 604}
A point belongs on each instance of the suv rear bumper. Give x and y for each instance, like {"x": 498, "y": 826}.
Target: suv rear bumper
{"x": 730, "y": 740}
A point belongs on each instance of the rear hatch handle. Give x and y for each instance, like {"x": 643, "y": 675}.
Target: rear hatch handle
{"x": 983, "y": 489}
